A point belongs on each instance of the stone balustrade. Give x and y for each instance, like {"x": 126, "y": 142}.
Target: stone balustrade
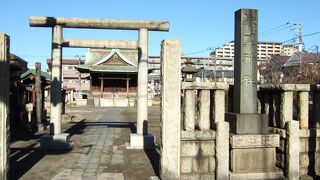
{"x": 293, "y": 111}
{"x": 194, "y": 135}
{"x": 204, "y": 134}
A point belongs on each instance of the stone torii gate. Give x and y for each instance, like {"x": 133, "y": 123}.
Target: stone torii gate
{"x": 141, "y": 139}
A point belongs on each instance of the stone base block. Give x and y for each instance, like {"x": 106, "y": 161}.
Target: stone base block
{"x": 238, "y": 141}
{"x": 247, "y": 123}
{"x": 81, "y": 102}
{"x": 90, "y": 102}
{"x": 142, "y": 141}
{"x": 193, "y": 176}
{"x": 43, "y": 115}
{"x": 253, "y": 160}
{"x": 41, "y": 127}
{"x": 262, "y": 175}
{"x": 59, "y": 141}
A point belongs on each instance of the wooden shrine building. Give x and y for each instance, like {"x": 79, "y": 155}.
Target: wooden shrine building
{"x": 113, "y": 76}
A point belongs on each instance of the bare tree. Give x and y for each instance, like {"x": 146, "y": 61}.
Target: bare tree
{"x": 305, "y": 72}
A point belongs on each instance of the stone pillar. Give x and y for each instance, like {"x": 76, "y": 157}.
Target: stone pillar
{"x": 56, "y": 139}
{"x": 268, "y": 102}
{"x": 170, "y": 105}
{"x": 219, "y": 105}
{"x": 71, "y": 97}
{"x": 4, "y": 105}
{"x": 142, "y": 139}
{"x": 56, "y": 93}
{"x": 204, "y": 108}
{"x": 293, "y": 145}
{"x": 222, "y": 150}
{"x": 303, "y": 109}
{"x": 316, "y": 109}
{"x": 189, "y": 110}
{"x": 142, "y": 102}
{"x": 286, "y": 106}
{"x": 38, "y": 93}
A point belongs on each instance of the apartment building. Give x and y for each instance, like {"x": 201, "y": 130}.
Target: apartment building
{"x": 71, "y": 77}
{"x": 265, "y": 50}
{"x": 289, "y": 49}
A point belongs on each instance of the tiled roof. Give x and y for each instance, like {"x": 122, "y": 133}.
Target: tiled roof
{"x": 108, "y": 69}
{"x": 33, "y": 72}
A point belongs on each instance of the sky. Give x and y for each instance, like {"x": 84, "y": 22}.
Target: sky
{"x": 200, "y": 25}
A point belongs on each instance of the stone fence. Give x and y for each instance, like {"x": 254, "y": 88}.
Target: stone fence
{"x": 204, "y": 135}
{"x": 194, "y": 137}
{"x": 294, "y": 113}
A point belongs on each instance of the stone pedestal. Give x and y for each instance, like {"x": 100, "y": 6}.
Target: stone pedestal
{"x": 41, "y": 127}
{"x": 247, "y": 123}
{"x": 140, "y": 141}
{"x": 44, "y": 115}
{"x": 58, "y": 141}
{"x": 254, "y": 155}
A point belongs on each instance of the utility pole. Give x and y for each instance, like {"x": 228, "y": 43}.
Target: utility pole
{"x": 298, "y": 34}
{"x": 78, "y": 56}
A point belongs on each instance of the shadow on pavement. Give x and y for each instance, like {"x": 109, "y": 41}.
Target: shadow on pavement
{"x": 154, "y": 158}
{"x": 78, "y": 128}
{"x": 23, "y": 159}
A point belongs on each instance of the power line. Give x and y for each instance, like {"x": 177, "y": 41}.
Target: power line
{"x": 275, "y": 31}
{"x": 311, "y": 34}
{"x": 200, "y": 51}
{"x": 274, "y": 28}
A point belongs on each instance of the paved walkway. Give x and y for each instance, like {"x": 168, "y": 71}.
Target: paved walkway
{"x": 99, "y": 151}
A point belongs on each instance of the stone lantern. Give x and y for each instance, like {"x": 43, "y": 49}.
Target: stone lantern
{"x": 188, "y": 71}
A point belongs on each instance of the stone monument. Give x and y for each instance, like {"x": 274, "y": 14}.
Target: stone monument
{"x": 253, "y": 150}
{"x": 245, "y": 118}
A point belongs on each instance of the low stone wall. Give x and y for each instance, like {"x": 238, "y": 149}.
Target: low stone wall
{"x": 81, "y": 102}
{"x": 198, "y": 155}
{"x": 298, "y": 154}
{"x": 119, "y": 102}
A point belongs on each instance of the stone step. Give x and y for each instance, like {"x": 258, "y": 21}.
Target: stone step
{"x": 306, "y": 177}
{"x": 304, "y": 171}
{"x": 306, "y": 158}
{"x": 256, "y": 176}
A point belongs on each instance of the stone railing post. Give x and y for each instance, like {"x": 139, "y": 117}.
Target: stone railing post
{"x": 219, "y": 105}
{"x": 189, "y": 110}
{"x": 275, "y": 107}
{"x": 266, "y": 102}
{"x": 292, "y": 150}
{"x": 316, "y": 107}
{"x": 222, "y": 150}
{"x": 304, "y": 109}
{"x": 286, "y": 106}
{"x": 4, "y": 105}
{"x": 204, "y": 108}
{"x": 171, "y": 109}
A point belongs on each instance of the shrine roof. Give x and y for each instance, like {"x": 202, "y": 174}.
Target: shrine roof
{"x": 114, "y": 69}
{"x": 33, "y": 72}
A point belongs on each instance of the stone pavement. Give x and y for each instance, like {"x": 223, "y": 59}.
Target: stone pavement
{"x": 99, "y": 152}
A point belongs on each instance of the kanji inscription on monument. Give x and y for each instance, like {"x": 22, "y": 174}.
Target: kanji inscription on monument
{"x": 245, "y": 61}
